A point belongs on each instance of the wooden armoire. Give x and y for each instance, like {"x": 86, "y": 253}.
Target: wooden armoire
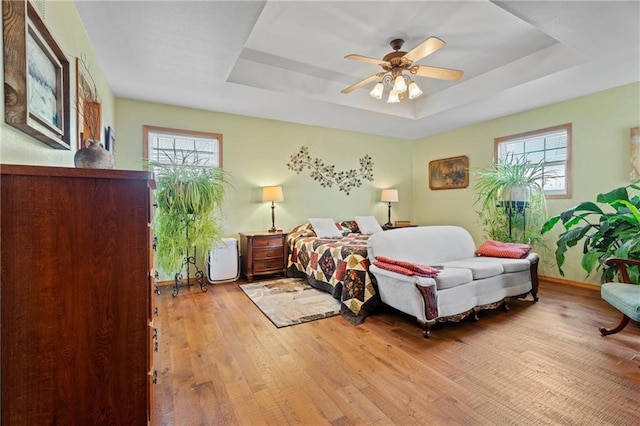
{"x": 77, "y": 296}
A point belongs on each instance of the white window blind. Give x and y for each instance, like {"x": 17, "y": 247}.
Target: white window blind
{"x": 174, "y": 146}
{"x": 551, "y": 146}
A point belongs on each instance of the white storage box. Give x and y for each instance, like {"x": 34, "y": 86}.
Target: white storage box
{"x": 223, "y": 262}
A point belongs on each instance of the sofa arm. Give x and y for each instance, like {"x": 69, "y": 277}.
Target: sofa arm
{"x": 403, "y": 292}
{"x": 430, "y": 298}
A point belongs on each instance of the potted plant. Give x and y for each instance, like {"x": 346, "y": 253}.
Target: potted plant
{"x": 187, "y": 196}
{"x": 511, "y": 198}
{"x": 611, "y": 229}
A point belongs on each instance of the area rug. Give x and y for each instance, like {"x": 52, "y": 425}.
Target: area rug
{"x": 290, "y": 301}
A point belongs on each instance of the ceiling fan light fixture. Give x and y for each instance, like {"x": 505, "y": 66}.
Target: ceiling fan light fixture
{"x": 376, "y": 92}
{"x": 399, "y": 84}
{"x": 414, "y": 90}
{"x": 394, "y": 97}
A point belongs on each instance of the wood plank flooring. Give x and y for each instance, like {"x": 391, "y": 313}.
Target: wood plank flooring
{"x": 222, "y": 362}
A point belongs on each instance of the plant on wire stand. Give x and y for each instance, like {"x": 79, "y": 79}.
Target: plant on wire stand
{"x": 188, "y": 195}
{"x": 512, "y": 201}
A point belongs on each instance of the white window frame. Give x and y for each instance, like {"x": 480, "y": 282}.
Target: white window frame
{"x": 541, "y": 136}
{"x": 181, "y": 139}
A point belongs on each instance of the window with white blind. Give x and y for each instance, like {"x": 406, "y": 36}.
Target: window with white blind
{"x": 163, "y": 145}
{"x": 552, "y": 146}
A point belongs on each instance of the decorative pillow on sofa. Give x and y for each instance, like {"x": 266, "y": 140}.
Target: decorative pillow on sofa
{"x": 325, "y": 227}
{"x": 368, "y": 224}
{"x": 493, "y": 248}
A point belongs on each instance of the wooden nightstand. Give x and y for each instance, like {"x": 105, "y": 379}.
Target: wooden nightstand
{"x": 387, "y": 227}
{"x": 263, "y": 253}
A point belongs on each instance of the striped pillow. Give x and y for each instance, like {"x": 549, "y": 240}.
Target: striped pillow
{"x": 417, "y": 269}
{"x": 393, "y": 268}
{"x": 493, "y": 248}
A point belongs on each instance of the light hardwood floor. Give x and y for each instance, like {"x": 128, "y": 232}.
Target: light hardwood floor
{"x": 221, "y": 361}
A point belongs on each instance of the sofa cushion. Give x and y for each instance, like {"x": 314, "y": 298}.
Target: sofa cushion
{"x": 479, "y": 269}
{"x": 509, "y": 265}
{"x": 452, "y": 277}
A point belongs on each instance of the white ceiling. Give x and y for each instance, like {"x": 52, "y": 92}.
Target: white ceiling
{"x": 284, "y": 60}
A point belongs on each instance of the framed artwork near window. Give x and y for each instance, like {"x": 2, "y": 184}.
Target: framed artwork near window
{"x": 36, "y": 76}
{"x": 449, "y": 173}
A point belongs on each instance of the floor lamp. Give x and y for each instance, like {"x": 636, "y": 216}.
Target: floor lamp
{"x": 389, "y": 196}
{"x": 273, "y": 194}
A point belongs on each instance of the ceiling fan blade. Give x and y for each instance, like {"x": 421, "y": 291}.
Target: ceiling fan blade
{"x": 427, "y": 47}
{"x": 435, "y": 72}
{"x": 363, "y": 83}
{"x": 367, "y": 59}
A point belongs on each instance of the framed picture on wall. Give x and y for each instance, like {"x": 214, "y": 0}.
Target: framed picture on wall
{"x": 36, "y": 76}
{"x": 449, "y": 173}
{"x": 109, "y": 139}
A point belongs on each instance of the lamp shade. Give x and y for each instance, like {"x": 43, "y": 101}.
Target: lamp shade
{"x": 399, "y": 85}
{"x": 389, "y": 195}
{"x": 414, "y": 90}
{"x": 377, "y": 91}
{"x": 394, "y": 97}
{"x": 272, "y": 193}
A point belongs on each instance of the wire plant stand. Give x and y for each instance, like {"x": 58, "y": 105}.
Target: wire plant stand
{"x": 186, "y": 265}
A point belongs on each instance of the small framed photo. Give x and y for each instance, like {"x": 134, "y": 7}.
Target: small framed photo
{"x": 109, "y": 139}
{"x": 449, "y": 173}
{"x": 36, "y": 76}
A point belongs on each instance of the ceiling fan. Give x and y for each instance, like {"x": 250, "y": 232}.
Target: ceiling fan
{"x": 396, "y": 62}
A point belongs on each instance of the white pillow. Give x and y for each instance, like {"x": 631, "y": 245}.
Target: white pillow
{"x": 325, "y": 227}
{"x": 368, "y": 224}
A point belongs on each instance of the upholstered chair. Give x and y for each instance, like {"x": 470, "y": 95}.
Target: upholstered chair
{"x": 623, "y": 295}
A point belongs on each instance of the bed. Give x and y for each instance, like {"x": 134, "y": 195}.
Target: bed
{"x": 337, "y": 265}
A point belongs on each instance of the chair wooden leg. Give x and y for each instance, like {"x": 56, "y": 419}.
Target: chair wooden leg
{"x": 622, "y": 324}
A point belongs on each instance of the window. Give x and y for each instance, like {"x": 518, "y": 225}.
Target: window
{"x": 162, "y": 145}
{"x": 552, "y": 146}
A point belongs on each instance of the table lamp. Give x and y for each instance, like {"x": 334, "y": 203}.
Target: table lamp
{"x": 389, "y": 196}
{"x": 273, "y": 194}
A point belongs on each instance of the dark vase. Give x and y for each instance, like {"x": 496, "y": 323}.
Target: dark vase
{"x": 94, "y": 156}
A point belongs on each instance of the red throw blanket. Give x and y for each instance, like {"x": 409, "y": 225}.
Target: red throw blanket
{"x": 499, "y": 249}
{"x": 405, "y": 268}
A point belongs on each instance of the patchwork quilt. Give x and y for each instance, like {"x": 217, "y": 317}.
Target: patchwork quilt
{"x": 336, "y": 265}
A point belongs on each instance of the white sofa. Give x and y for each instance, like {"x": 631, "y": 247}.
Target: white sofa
{"x": 466, "y": 283}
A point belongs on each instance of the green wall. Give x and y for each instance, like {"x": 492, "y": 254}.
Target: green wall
{"x": 256, "y": 153}
{"x": 63, "y": 22}
{"x": 600, "y": 159}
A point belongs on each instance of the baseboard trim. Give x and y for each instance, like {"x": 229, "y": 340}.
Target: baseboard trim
{"x": 564, "y": 281}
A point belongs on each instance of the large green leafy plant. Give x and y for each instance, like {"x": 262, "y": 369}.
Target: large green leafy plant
{"x": 495, "y": 190}
{"x": 610, "y": 227}
{"x": 188, "y": 197}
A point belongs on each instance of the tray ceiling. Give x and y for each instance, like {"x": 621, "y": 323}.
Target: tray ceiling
{"x": 284, "y": 60}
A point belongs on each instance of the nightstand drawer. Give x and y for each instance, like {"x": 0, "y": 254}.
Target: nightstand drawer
{"x": 260, "y": 266}
{"x": 275, "y": 241}
{"x": 268, "y": 253}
